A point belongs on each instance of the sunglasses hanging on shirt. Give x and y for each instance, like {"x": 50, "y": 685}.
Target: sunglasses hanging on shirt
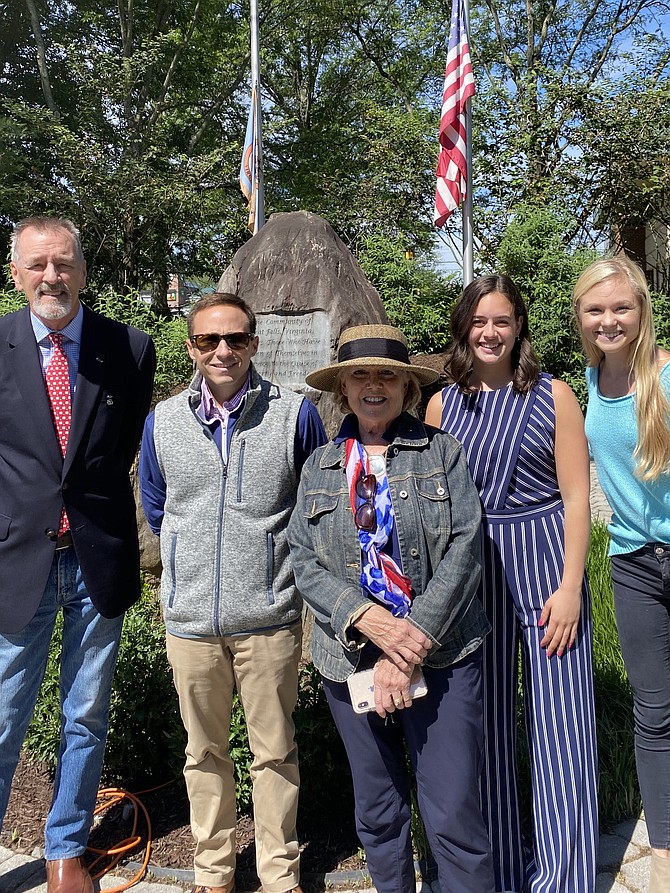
{"x": 366, "y": 513}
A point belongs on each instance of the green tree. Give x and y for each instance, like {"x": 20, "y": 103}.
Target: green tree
{"x": 542, "y": 66}
{"x": 417, "y": 299}
{"x": 119, "y": 124}
{"x": 626, "y": 137}
{"x": 350, "y": 132}
{"x": 129, "y": 117}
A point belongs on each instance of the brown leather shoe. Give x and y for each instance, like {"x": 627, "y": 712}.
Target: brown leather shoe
{"x": 68, "y": 876}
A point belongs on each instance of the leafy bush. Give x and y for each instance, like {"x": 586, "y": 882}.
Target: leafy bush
{"x": 146, "y": 740}
{"x": 661, "y": 306}
{"x": 618, "y": 794}
{"x": 173, "y": 364}
{"x": 325, "y": 779}
{"x": 146, "y": 736}
{"x": 10, "y": 301}
{"x": 240, "y": 754}
{"x": 43, "y": 735}
{"x": 416, "y": 298}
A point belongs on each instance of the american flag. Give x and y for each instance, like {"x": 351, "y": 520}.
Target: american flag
{"x": 248, "y": 172}
{"x": 459, "y": 86}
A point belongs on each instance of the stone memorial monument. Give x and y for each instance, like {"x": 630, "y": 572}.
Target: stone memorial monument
{"x": 304, "y": 286}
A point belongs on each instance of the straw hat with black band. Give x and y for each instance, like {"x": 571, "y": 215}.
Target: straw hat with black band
{"x": 369, "y": 346}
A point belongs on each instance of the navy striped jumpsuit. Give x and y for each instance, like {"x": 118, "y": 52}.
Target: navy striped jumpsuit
{"x": 509, "y": 443}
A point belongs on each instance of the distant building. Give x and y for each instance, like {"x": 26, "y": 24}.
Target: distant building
{"x": 648, "y": 244}
{"x": 181, "y": 291}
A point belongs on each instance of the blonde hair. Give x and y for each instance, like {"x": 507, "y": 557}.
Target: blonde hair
{"x": 412, "y": 394}
{"x": 652, "y": 407}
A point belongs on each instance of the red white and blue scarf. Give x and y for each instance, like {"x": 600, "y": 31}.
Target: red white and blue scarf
{"x": 381, "y": 578}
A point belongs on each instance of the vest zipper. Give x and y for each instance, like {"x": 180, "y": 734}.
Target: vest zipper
{"x": 240, "y": 470}
{"x": 217, "y": 584}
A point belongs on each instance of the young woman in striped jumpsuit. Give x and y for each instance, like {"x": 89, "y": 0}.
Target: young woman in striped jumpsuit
{"x": 523, "y": 434}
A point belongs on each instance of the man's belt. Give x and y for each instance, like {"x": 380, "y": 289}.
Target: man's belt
{"x": 64, "y": 541}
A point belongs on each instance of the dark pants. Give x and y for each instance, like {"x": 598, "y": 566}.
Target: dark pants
{"x": 642, "y": 601}
{"x": 443, "y": 733}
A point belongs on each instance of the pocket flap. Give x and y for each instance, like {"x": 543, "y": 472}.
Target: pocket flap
{"x": 319, "y": 503}
{"x": 433, "y": 487}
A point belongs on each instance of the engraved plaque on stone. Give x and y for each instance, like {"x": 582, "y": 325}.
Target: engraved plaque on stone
{"x": 291, "y": 345}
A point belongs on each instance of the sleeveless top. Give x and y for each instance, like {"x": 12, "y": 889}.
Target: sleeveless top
{"x": 508, "y": 440}
{"x": 640, "y": 509}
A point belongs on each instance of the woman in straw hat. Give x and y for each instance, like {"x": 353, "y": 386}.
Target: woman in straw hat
{"x": 385, "y": 546}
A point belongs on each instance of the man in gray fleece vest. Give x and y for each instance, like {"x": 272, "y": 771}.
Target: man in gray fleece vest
{"x": 219, "y": 470}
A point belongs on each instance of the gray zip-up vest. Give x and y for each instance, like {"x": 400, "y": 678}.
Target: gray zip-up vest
{"x": 226, "y": 567}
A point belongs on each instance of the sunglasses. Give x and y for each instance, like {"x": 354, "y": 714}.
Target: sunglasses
{"x": 366, "y": 513}
{"x": 211, "y": 340}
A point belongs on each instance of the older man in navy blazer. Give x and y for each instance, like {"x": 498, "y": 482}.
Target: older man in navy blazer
{"x": 75, "y": 388}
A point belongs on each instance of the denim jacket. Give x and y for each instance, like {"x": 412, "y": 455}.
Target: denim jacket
{"x": 437, "y": 515}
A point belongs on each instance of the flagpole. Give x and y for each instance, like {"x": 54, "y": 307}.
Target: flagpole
{"x": 468, "y": 261}
{"x": 259, "y": 218}
{"x": 454, "y": 178}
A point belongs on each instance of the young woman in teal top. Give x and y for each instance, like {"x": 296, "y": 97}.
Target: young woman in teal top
{"x": 628, "y": 428}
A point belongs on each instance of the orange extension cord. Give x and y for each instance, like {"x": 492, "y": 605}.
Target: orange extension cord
{"x": 107, "y": 859}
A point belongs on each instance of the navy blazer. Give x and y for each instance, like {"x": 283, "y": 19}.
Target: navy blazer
{"x": 112, "y": 398}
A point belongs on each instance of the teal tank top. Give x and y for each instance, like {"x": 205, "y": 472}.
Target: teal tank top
{"x": 640, "y": 509}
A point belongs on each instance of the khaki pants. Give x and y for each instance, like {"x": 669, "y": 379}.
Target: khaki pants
{"x": 264, "y": 669}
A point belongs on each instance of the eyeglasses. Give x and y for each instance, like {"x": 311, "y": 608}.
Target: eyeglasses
{"x": 211, "y": 340}
{"x": 366, "y": 513}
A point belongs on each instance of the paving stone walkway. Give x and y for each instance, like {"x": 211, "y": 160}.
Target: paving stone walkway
{"x": 624, "y": 863}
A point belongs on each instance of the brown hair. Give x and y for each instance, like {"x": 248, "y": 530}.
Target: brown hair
{"x": 221, "y": 299}
{"x": 458, "y": 362}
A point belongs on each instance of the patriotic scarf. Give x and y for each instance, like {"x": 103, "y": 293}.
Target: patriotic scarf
{"x": 381, "y": 578}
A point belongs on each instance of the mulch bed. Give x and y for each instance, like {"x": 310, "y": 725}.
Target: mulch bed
{"x": 327, "y": 837}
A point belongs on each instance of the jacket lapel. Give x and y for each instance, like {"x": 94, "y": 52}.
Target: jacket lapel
{"x": 26, "y": 370}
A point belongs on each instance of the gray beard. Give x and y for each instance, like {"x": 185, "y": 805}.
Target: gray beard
{"x": 54, "y": 308}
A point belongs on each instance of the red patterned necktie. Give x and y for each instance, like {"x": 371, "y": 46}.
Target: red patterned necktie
{"x": 58, "y": 388}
